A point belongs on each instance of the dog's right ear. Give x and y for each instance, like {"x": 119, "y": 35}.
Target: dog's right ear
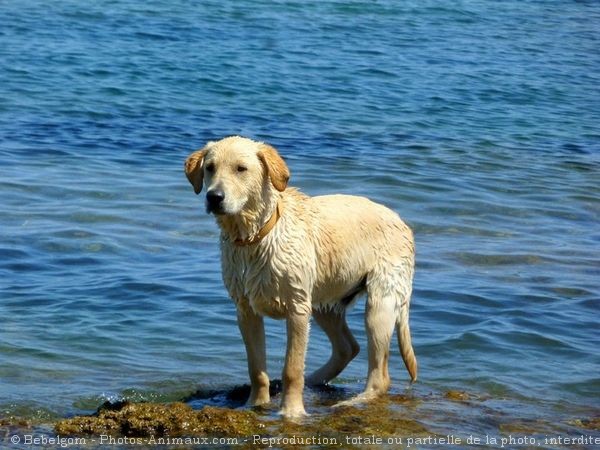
{"x": 194, "y": 168}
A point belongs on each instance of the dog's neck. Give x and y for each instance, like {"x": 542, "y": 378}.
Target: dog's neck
{"x": 247, "y": 227}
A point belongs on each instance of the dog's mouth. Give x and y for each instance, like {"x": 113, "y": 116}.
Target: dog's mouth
{"x": 217, "y": 210}
{"x": 222, "y": 208}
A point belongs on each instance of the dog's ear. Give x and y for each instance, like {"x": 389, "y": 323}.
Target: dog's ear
{"x": 194, "y": 168}
{"x": 275, "y": 166}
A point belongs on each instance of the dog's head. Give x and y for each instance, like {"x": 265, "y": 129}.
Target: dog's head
{"x": 237, "y": 172}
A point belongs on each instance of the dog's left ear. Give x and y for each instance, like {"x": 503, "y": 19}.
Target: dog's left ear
{"x": 194, "y": 170}
{"x": 275, "y": 166}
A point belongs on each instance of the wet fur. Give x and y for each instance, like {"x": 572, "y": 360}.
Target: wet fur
{"x": 322, "y": 253}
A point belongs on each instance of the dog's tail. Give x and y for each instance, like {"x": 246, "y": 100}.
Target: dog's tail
{"x": 404, "y": 339}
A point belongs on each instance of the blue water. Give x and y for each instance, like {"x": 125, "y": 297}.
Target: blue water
{"x": 477, "y": 121}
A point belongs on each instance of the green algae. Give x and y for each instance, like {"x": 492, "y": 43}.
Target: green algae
{"x": 372, "y": 419}
{"x": 15, "y": 422}
{"x": 587, "y": 424}
{"x": 394, "y": 417}
{"x": 458, "y": 396}
{"x": 377, "y": 417}
{"x": 156, "y": 419}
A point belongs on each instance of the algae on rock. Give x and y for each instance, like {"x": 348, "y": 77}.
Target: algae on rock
{"x": 154, "y": 419}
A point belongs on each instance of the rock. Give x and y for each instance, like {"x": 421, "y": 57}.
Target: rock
{"x": 588, "y": 424}
{"x": 457, "y": 396}
{"x": 155, "y": 419}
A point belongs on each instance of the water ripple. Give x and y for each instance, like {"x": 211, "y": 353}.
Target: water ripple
{"x": 477, "y": 122}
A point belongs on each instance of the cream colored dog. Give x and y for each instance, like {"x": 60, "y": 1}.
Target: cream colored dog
{"x": 289, "y": 256}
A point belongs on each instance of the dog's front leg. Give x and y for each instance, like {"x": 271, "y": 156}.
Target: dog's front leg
{"x": 293, "y": 372}
{"x": 253, "y": 332}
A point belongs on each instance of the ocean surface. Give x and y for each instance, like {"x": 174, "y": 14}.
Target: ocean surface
{"x": 478, "y": 122}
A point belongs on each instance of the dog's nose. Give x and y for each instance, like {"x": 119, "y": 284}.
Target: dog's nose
{"x": 214, "y": 198}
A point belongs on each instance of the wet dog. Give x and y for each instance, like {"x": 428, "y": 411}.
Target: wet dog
{"x": 289, "y": 256}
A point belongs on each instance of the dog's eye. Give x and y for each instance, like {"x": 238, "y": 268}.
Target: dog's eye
{"x": 210, "y": 168}
{"x": 241, "y": 168}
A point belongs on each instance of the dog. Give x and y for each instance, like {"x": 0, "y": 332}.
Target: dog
{"x": 289, "y": 256}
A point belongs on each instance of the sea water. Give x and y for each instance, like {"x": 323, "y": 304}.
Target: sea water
{"x": 478, "y": 122}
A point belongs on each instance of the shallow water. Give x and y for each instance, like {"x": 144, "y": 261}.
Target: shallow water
{"x": 477, "y": 122}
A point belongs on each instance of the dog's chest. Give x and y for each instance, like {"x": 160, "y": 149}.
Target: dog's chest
{"x": 255, "y": 276}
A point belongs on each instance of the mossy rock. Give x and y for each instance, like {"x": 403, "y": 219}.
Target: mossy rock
{"x": 155, "y": 419}
{"x": 15, "y": 422}
{"x": 457, "y": 396}
{"x": 373, "y": 418}
{"x": 588, "y": 424}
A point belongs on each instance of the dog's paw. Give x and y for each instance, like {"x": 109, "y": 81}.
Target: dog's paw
{"x": 261, "y": 398}
{"x": 360, "y": 399}
{"x": 294, "y": 414}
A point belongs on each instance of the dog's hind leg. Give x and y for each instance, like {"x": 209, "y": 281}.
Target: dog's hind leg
{"x": 380, "y": 318}
{"x": 388, "y": 288}
{"x": 343, "y": 345}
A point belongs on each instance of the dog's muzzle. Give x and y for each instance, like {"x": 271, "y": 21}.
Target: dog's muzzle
{"x": 214, "y": 201}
